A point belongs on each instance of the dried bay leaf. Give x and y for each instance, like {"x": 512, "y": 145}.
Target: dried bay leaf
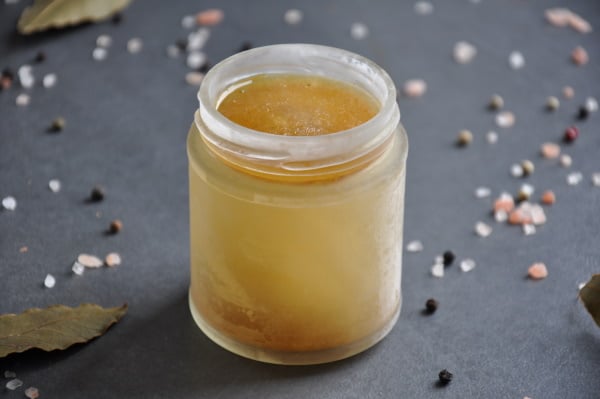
{"x": 56, "y": 327}
{"x": 45, "y": 14}
{"x": 590, "y": 296}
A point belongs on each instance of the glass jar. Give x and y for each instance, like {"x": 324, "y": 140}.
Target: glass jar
{"x": 296, "y": 241}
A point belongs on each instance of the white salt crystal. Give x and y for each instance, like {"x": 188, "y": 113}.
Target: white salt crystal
{"x": 54, "y": 185}
{"x": 10, "y": 374}
{"x": 501, "y": 216}
{"x": 566, "y": 160}
{"x": 197, "y": 40}
{"x": 437, "y": 270}
{"x": 26, "y": 78}
{"x": 49, "y": 281}
{"x": 23, "y": 100}
{"x": 529, "y": 229}
{"x": 194, "y": 78}
{"x": 516, "y": 60}
{"x": 482, "y": 192}
{"x": 103, "y": 41}
{"x": 505, "y": 119}
{"x": 516, "y": 170}
{"x": 99, "y": 54}
{"x": 173, "y": 51}
{"x": 464, "y": 52}
{"x": 482, "y": 229}
{"x": 466, "y": 265}
{"x": 293, "y": 16}
{"x": 134, "y": 45}
{"x": 423, "y": 8}
{"x": 596, "y": 179}
{"x": 49, "y": 80}
{"x": 359, "y": 31}
{"x": 188, "y": 22}
{"x": 78, "y": 268}
{"x": 492, "y": 137}
{"x": 9, "y": 203}
{"x": 13, "y": 384}
{"x": 574, "y": 178}
{"x": 196, "y": 59}
{"x": 414, "y": 246}
{"x": 591, "y": 104}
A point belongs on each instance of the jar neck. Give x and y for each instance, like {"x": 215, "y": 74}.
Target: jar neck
{"x": 297, "y": 158}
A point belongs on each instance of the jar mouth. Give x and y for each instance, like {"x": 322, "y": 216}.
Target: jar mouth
{"x": 296, "y": 155}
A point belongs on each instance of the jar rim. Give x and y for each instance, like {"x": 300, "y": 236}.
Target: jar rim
{"x": 290, "y": 154}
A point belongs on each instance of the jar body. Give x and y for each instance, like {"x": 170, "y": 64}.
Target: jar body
{"x": 296, "y": 273}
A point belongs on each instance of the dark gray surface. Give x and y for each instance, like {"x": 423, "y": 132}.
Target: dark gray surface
{"x": 503, "y": 336}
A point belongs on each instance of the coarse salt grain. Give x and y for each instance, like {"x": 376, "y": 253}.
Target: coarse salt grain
{"x": 414, "y": 246}
{"x": 49, "y": 80}
{"x": 482, "y": 229}
{"x": 466, "y": 265}
{"x": 482, "y": 192}
{"x": 359, "y": 31}
{"x": 591, "y": 104}
{"x": 537, "y": 271}
{"x": 596, "y": 179}
{"x": 49, "y": 281}
{"x": 423, "y": 8}
{"x": 194, "y": 78}
{"x": 501, "y": 216}
{"x": 32, "y": 393}
{"x": 414, "y": 88}
{"x": 9, "y": 203}
{"x": 196, "y": 59}
{"x": 516, "y": 60}
{"x": 23, "y": 100}
{"x": 293, "y": 16}
{"x": 574, "y": 178}
{"x": 14, "y": 384}
{"x": 188, "y": 22}
{"x": 579, "y": 56}
{"x": 134, "y": 45}
{"x": 112, "y": 259}
{"x": 78, "y": 268}
{"x": 491, "y": 137}
{"x": 99, "y": 54}
{"x": 89, "y": 261}
{"x": 437, "y": 270}
{"x": 25, "y": 73}
{"x": 529, "y": 229}
{"x": 54, "y": 185}
{"x": 516, "y": 170}
{"x": 103, "y": 41}
{"x": 550, "y": 150}
{"x": 566, "y": 160}
{"x": 173, "y": 51}
{"x": 505, "y": 119}
{"x": 210, "y": 17}
{"x": 9, "y": 374}
{"x": 197, "y": 40}
{"x": 464, "y": 52}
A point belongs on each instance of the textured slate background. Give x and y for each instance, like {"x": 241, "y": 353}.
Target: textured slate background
{"x": 502, "y": 335}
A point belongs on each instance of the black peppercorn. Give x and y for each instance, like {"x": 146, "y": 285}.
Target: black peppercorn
{"x": 40, "y": 57}
{"x": 583, "y": 113}
{"x": 445, "y": 376}
{"x": 115, "y": 226}
{"x": 205, "y": 67}
{"x": 448, "y": 258}
{"x": 97, "y": 194}
{"x": 57, "y": 125}
{"x": 181, "y": 44}
{"x": 117, "y": 18}
{"x": 431, "y": 305}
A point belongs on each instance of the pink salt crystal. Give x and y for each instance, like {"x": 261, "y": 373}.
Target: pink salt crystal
{"x": 504, "y": 203}
{"x": 568, "y": 92}
{"x": 414, "y": 88}
{"x": 579, "y": 56}
{"x": 550, "y": 150}
{"x": 210, "y": 17}
{"x": 537, "y": 271}
{"x": 112, "y": 259}
{"x": 559, "y": 17}
{"x": 32, "y": 393}
{"x": 537, "y": 214}
{"x": 89, "y": 260}
{"x": 548, "y": 197}
{"x": 579, "y": 24}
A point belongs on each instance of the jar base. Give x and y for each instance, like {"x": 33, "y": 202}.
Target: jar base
{"x": 293, "y": 358}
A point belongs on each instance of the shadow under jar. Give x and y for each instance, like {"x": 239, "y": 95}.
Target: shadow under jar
{"x": 296, "y": 240}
